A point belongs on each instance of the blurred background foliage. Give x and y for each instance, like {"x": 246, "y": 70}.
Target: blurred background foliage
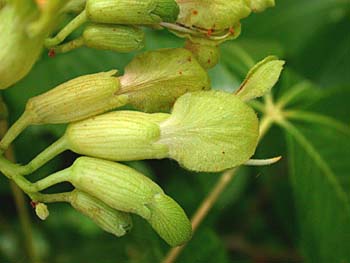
{"x": 294, "y": 211}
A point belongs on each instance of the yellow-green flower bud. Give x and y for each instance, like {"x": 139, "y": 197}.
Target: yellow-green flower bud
{"x": 206, "y": 131}
{"x": 73, "y": 100}
{"x": 216, "y": 15}
{"x": 125, "y": 189}
{"x": 132, "y": 12}
{"x": 18, "y": 52}
{"x": 113, "y": 37}
{"x": 206, "y": 55}
{"x": 110, "y": 220}
{"x": 41, "y": 211}
{"x": 261, "y": 78}
{"x": 120, "y": 135}
{"x": 210, "y": 131}
{"x": 261, "y": 5}
{"x": 155, "y": 79}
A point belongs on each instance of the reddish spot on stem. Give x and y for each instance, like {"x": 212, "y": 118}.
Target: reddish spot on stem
{"x": 52, "y": 53}
{"x": 209, "y": 61}
{"x": 232, "y": 30}
{"x": 195, "y": 12}
{"x": 180, "y": 72}
{"x": 189, "y": 59}
{"x": 209, "y": 32}
{"x": 33, "y": 204}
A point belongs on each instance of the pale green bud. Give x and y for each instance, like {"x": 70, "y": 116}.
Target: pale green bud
{"x": 18, "y": 52}
{"x": 125, "y": 189}
{"x": 261, "y": 5}
{"x": 216, "y": 15}
{"x": 73, "y": 100}
{"x": 41, "y": 211}
{"x": 155, "y": 79}
{"x": 110, "y": 220}
{"x": 120, "y": 135}
{"x": 206, "y": 55}
{"x": 117, "y": 38}
{"x": 113, "y": 37}
{"x": 210, "y": 131}
{"x": 132, "y": 12}
{"x": 261, "y": 78}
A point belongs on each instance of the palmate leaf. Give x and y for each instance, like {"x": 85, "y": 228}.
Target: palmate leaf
{"x": 318, "y": 155}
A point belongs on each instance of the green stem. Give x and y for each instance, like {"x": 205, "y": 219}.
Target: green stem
{"x": 49, "y": 153}
{"x": 66, "y": 47}
{"x": 55, "y": 178}
{"x": 292, "y": 93}
{"x": 23, "y": 122}
{"x": 72, "y": 25}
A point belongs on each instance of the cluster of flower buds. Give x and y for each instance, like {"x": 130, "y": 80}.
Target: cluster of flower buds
{"x": 152, "y": 82}
{"x": 112, "y": 24}
{"x": 206, "y": 131}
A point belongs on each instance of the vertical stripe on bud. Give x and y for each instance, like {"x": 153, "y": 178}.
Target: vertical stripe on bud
{"x": 112, "y": 221}
{"x": 155, "y": 79}
{"x": 210, "y": 131}
{"x": 260, "y": 78}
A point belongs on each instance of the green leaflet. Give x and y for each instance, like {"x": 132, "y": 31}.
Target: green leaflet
{"x": 260, "y": 79}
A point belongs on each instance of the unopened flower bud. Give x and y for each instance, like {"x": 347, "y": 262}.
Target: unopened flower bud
{"x": 41, "y": 211}
{"x": 112, "y": 221}
{"x": 137, "y": 12}
{"x": 206, "y": 55}
{"x": 18, "y": 51}
{"x": 212, "y": 14}
{"x": 155, "y": 79}
{"x": 123, "y": 188}
{"x": 119, "y": 135}
{"x": 261, "y": 78}
{"x": 117, "y": 38}
{"x": 73, "y": 100}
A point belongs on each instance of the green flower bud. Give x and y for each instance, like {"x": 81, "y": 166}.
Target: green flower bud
{"x": 73, "y": 100}
{"x": 261, "y": 78}
{"x": 216, "y": 15}
{"x": 106, "y": 37}
{"x": 155, "y": 79}
{"x": 109, "y": 219}
{"x": 120, "y": 135}
{"x": 210, "y": 131}
{"x": 206, "y": 131}
{"x": 131, "y": 12}
{"x": 261, "y": 5}
{"x": 112, "y": 37}
{"x": 125, "y": 189}
{"x": 206, "y": 55}
{"x": 41, "y": 211}
{"x": 18, "y": 52}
